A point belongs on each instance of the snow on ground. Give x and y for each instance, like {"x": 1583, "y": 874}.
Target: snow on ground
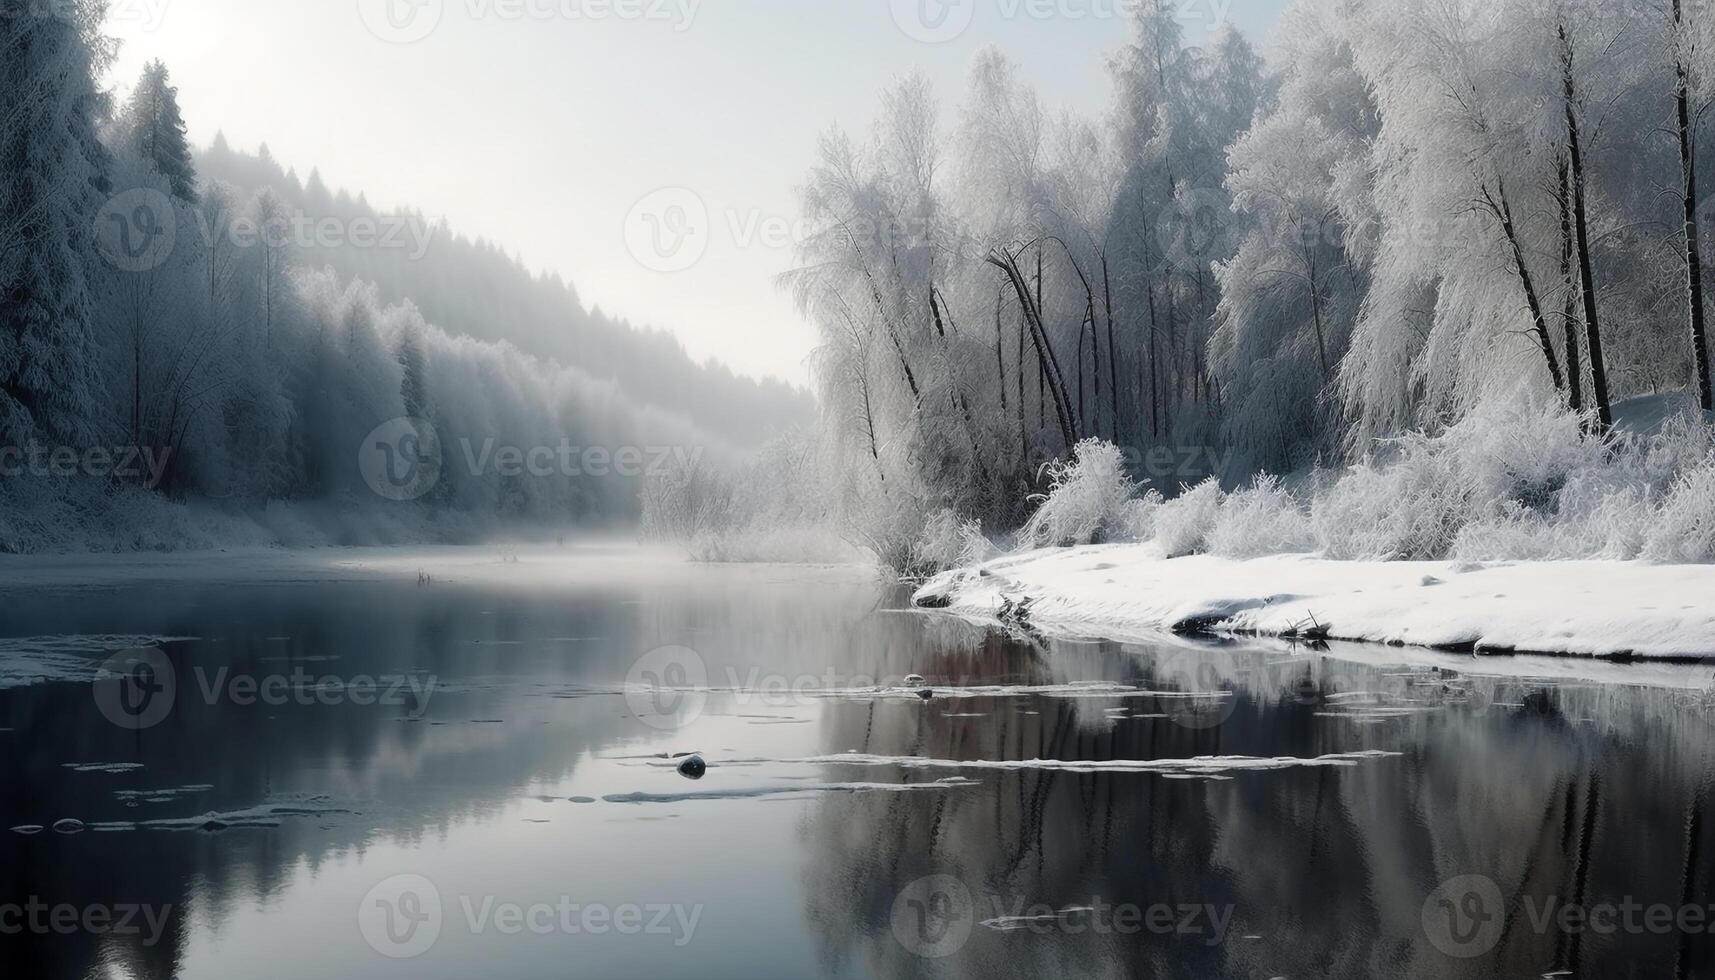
{"x": 1124, "y": 591}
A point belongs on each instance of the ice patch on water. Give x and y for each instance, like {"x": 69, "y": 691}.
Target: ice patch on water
{"x": 104, "y": 767}
{"x": 761, "y": 792}
{"x": 1201, "y": 767}
{"x": 1013, "y": 923}
{"x": 266, "y": 816}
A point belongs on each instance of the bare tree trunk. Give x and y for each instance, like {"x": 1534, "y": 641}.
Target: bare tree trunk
{"x": 1023, "y": 424}
{"x": 999, "y": 355}
{"x": 1316, "y": 315}
{"x": 1085, "y": 328}
{"x": 1574, "y": 366}
{"x": 1047, "y": 364}
{"x": 1581, "y": 220}
{"x": 1693, "y": 249}
{"x": 1113, "y": 352}
{"x": 1503, "y": 212}
{"x": 1154, "y": 368}
{"x": 955, "y": 394}
{"x": 1041, "y": 369}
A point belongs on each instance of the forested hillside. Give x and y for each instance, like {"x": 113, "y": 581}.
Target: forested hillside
{"x": 474, "y": 288}
{"x": 197, "y": 349}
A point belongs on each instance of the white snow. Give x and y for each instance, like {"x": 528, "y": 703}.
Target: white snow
{"x": 1579, "y": 608}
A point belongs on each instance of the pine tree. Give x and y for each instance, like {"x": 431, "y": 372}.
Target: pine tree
{"x": 155, "y": 131}
{"x": 52, "y": 182}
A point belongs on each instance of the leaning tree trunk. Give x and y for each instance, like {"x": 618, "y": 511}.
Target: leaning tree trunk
{"x": 1693, "y": 250}
{"x": 1503, "y": 212}
{"x": 1047, "y": 364}
{"x": 1581, "y": 221}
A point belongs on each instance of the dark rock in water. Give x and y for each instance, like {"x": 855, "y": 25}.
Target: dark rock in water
{"x": 583, "y": 799}
{"x": 693, "y": 767}
{"x": 213, "y": 826}
{"x": 943, "y": 600}
{"x": 915, "y": 680}
{"x": 69, "y": 826}
{"x": 926, "y": 694}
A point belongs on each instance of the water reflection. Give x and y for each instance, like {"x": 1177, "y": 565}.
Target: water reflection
{"x": 1576, "y": 792}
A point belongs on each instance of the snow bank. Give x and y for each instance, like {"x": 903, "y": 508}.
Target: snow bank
{"x": 1593, "y": 608}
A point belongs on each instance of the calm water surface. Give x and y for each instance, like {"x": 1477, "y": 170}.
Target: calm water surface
{"x": 513, "y": 808}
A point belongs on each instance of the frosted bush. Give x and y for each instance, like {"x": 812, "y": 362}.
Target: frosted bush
{"x": 1089, "y": 500}
{"x": 1406, "y": 511}
{"x": 1261, "y": 520}
{"x": 1136, "y": 520}
{"x": 1183, "y": 525}
{"x": 1684, "y": 531}
{"x": 1501, "y": 454}
{"x": 949, "y": 541}
{"x": 1503, "y": 483}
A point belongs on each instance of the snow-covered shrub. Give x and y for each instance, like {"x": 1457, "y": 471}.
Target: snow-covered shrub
{"x": 948, "y": 542}
{"x": 1183, "y": 525}
{"x": 1136, "y": 521}
{"x": 1261, "y": 520}
{"x": 1501, "y": 455}
{"x": 1474, "y": 487}
{"x": 1684, "y": 531}
{"x": 1089, "y": 501}
{"x": 1401, "y": 512}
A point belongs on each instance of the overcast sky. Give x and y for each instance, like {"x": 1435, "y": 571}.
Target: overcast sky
{"x": 553, "y": 126}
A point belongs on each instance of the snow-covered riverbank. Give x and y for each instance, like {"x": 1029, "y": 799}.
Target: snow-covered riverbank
{"x": 1580, "y": 608}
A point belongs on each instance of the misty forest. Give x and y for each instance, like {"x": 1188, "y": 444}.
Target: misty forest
{"x": 1137, "y": 491}
{"x": 1424, "y": 280}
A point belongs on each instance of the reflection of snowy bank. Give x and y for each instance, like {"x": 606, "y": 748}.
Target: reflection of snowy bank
{"x": 1587, "y": 608}
{"x": 40, "y": 659}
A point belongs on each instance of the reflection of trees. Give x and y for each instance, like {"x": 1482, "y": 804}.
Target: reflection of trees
{"x": 499, "y": 653}
{"x": 1582, "y": 790}
{"x": 1587, "y": 793}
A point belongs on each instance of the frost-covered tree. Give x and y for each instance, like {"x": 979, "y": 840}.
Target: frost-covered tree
{"x": 1303, "y": 218}
{"x": 52, "y": 183}
{"x": 152, "y": 127}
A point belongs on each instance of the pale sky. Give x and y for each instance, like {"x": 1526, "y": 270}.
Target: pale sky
{"x": 542, "y": 124}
